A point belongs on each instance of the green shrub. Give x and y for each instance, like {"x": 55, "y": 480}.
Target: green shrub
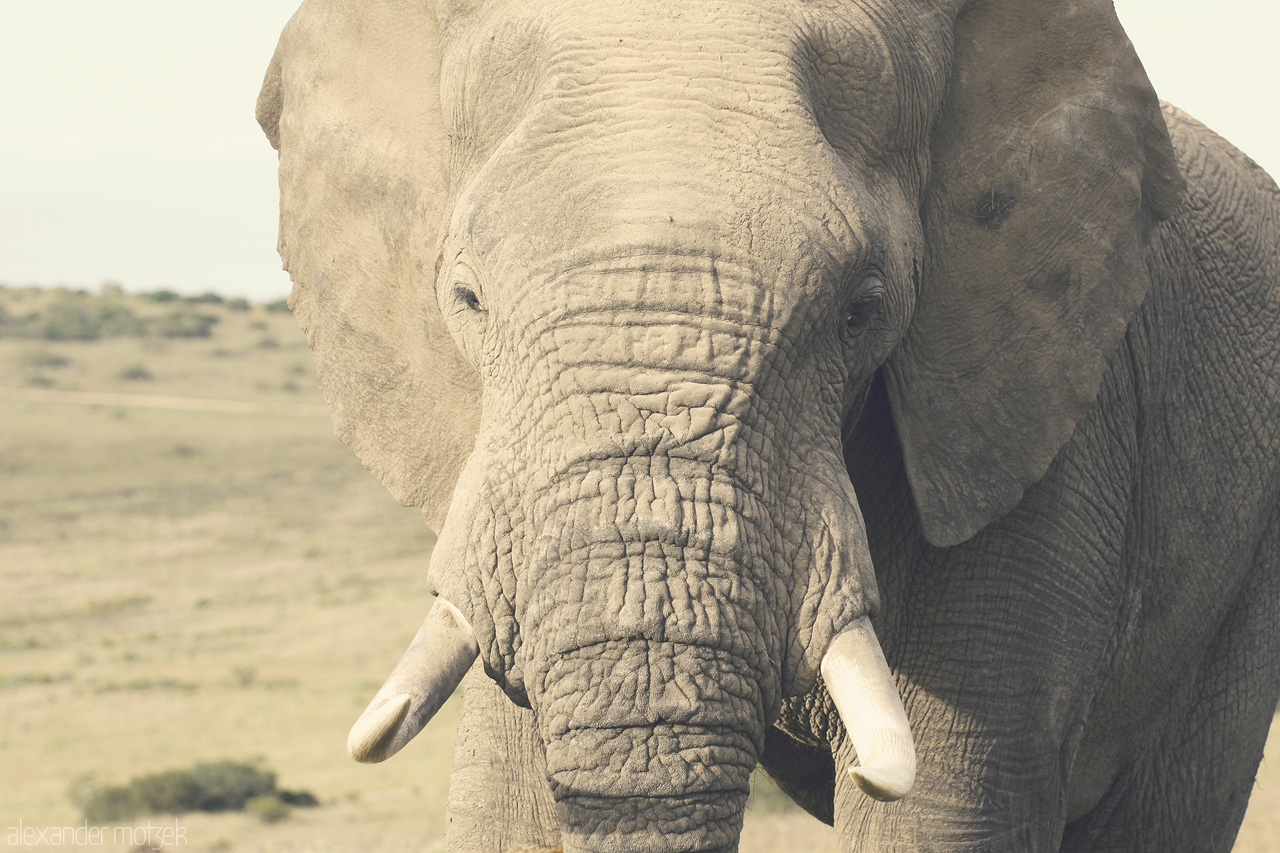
{"x": 44, "y": 358}
{"x": 206, "y": 298}
{"x": 109, "y": 804}
{"x": 74, "y": 316}
{"x": 86, "y": 320}
{"x": 238, "y": 304}
{"x": 187, "y": 324}
{"x": 170, "y": 792}
{"x": 298, "y": 799}
{"x": 67, "y": 320}
{"x": 218, "y": 786}
{"x": 227, "y": 785}
{"x": 161, "y": 296}
{"x": 280, "y": 306}
{"x": 268, "y": 808}
{"x": 136, "y": 372}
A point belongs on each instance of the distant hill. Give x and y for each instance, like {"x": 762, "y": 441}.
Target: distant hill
{"x": 156, "y": 343}
{"x": 63, "y": 314}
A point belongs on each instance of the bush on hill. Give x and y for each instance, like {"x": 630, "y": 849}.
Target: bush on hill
{"x": 73, "y": 316}
{"x": 63, "y": 314}
{"x": 219, "y": 786}
{"x": 186, "y": 324}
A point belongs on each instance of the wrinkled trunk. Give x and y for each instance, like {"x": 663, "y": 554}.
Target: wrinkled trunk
{"x": 656, "y": 754}
{"x": 647, "y": 664}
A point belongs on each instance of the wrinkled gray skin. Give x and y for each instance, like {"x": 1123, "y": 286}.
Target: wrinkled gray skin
{"x": 677, "y": 280}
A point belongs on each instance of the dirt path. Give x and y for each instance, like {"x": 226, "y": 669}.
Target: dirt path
{"x": 157, "y": 401}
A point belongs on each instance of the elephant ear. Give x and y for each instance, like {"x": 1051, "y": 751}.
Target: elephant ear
{"x": 1051, "y": 165}
{"x": 351, "y": 101}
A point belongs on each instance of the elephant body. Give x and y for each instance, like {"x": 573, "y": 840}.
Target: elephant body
{"x": 1098, "y": 670}
{"x": 719, "y": 339}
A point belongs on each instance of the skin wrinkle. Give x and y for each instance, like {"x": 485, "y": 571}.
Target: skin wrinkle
{"x": 746, "y": 649}
{"x": 623, "y": 373}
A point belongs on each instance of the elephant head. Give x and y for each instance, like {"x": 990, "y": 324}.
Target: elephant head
{"x": 600, "y": 287}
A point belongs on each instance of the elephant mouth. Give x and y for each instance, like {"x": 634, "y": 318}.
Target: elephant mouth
{"x": 854, "y": 669}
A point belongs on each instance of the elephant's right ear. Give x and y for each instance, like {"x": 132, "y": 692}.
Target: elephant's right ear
{"x": 352, "y": 102}
{"x": 1051, "y": 166}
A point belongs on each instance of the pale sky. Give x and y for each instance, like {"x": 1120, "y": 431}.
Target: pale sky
{"x": 128, "y": 149}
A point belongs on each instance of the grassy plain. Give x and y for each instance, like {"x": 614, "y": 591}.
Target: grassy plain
{"x": 192, "y": 568}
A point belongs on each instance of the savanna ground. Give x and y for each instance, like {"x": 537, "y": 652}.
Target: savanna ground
{"x": 193, "y": 569}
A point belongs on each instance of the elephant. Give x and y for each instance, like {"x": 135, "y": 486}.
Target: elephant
{"x": 885, "y": 393}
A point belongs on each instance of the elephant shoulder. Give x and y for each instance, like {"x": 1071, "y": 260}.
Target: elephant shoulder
{"x": 1215, "y": 268}
{"x": 1223, "y": 183}
{"x": 1225, "y": 238}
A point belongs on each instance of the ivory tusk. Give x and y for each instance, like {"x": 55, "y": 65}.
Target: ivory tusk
{"x": 858, "y": 679}
{"x": 428, "y": 673}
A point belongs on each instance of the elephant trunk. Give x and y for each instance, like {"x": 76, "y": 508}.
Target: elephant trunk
{"x": 647, "y": 661}
{"x": 649, "y": 746}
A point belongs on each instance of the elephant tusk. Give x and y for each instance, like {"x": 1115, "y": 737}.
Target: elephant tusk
{"x": 859, "y": 681}
{"x": 427, "y": 674}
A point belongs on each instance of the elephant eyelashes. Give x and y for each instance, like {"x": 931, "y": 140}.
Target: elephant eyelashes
{"x": 864, "y": 308}
{"x": 467, "y": 297}
{"x": 466, "y": 285}
{"x": 860, "y": 314}
{"x": 466, "y": 313}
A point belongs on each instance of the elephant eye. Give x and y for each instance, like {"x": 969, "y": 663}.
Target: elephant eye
{"x": 461, "y": 299}
{"x": 466, "y": 285}
{"x": 466, "y": 296}
{"x": 864, "y": 307}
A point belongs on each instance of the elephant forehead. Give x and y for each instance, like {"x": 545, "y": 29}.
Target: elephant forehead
{"x": 580, "y": 357}
{"x": 732, "y": 49}
{"x": 682, "y": 310}
{"x": 669, "y": 123}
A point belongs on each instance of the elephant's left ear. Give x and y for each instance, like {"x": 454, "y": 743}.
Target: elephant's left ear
{"x": 1051, "y": 167}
